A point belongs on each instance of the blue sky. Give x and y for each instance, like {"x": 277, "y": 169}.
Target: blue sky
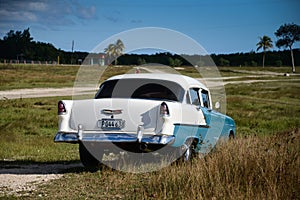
{"x": 219, "y": 26}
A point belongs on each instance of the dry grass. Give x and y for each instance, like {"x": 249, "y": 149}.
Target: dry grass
{"x": 247, "y": 168}
{"x": 252, "y": 167}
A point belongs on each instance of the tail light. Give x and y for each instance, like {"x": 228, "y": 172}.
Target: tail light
{"x": 164, "y": 110}
{"x": 61, "y": 108}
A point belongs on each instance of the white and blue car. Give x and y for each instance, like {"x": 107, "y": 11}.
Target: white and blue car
{"x": 144, "y": 113}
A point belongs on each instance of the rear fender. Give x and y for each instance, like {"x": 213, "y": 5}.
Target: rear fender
{"x": 64, "y": 118}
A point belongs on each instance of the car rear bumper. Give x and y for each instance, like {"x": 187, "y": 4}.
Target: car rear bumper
{"x": 113, "y": 138}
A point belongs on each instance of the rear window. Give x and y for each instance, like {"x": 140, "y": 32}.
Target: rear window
{"x": 141, "y": 89}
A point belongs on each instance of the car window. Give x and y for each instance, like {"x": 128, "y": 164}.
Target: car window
{"x": 205, "y": 98}
{"x": 141, "y": 89}
{"x": 154, "y": 91}
{"x": 194, "y": 96}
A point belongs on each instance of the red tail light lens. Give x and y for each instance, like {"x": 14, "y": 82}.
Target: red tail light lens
{"x": 164, "y": 110}
{"x": 61, "y": 108}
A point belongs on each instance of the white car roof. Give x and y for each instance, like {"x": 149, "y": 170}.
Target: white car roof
{"x": 184, "y": 81}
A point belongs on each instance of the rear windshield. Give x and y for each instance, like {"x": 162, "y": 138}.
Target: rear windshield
{"x": 141, "y": 89}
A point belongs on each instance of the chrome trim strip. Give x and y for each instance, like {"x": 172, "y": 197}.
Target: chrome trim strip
{"x": 111, "y": 112}
{"x": 113, "y": 137}
{"x": 195, "y": 125}
{"x": 66, "y": 137}
{"x": 110, "y": 137}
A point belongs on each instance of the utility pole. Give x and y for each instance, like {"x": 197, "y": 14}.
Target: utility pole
{"x": 72, "y": 52}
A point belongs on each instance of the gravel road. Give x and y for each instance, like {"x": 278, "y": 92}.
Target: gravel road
{"x": 20, "y": 180}
{"x": 70, "y": 91}
{"x": 44, "y": 92}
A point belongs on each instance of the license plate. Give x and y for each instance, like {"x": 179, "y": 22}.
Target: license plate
{"x": 111, "y": 123}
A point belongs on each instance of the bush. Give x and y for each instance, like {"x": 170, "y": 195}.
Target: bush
{"x": 253, "y": 63}
{"x": 175, "y": 62}
{"x": 278, "y": 63}
{"x": 224, "y": 62}
{"x": 141, "y": 61}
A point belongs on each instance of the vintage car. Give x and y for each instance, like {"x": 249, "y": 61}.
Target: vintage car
{"x": 144, "y": 113}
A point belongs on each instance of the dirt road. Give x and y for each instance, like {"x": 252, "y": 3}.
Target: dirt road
{"x": 70, "y": 91}
{"x": 45, "y": 92}
{"x": 20, "y": 180}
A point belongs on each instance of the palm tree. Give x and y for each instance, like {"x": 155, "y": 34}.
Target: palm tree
{"x": 265, "y": 42}
{"x": 110, "y": 52}
{"x": 287, "y": 35}
{"x": 113, "y": 51}
{"x": 120, "y": 46}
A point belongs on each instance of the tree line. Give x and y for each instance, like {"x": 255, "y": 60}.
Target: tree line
{"x": 19, "y": 45}
{"x": 274, "y": 58}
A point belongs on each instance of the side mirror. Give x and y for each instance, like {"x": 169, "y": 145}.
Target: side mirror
{"x": 217, "y": 105}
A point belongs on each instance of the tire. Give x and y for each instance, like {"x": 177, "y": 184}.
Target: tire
{"x": 87, "y": 159}
{"x": 231, "y": 135}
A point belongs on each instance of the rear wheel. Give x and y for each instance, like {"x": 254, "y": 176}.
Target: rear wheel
{"x": 88, "y": 159}
{"x": 231, "y": 135}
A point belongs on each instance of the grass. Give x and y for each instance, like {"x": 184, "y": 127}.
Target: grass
{"x": 36, "y": 76}
{"x": 262, "y": 163}
{"x": 264, "y": 108}
{"x": 261, "y": 168}
{"x": 234, "y": 71}
{"x": 27, "y": 131}
{"x": 20, "y": 76}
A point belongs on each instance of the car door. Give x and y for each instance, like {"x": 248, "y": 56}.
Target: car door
{"x": 215, "y": 121}
{"x": 203, "y": 118}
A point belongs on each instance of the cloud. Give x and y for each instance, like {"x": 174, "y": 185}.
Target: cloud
{"x": 111, "y": 19}
{"x": 17, "y": 16}
{"x": 136, "y": 21}
{"x": 44, "y": 12}
{"x": 37, "y": 6}
{"x": 85, "y": 12}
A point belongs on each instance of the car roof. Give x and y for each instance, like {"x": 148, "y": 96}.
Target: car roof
{"x": 184, "y": 81}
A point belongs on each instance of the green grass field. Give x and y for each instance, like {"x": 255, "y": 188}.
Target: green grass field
{"x": 44, "y": 76}
{"x": 262, "y": 163}
{"x": 36, "y": 76}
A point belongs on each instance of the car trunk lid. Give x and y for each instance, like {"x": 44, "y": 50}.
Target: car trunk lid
{"x": 115, "y": 115}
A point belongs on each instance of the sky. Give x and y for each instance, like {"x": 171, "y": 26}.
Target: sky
{"x": 221, "y": 27}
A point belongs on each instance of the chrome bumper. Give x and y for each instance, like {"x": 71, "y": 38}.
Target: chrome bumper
{"x": 113, "y": 137}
